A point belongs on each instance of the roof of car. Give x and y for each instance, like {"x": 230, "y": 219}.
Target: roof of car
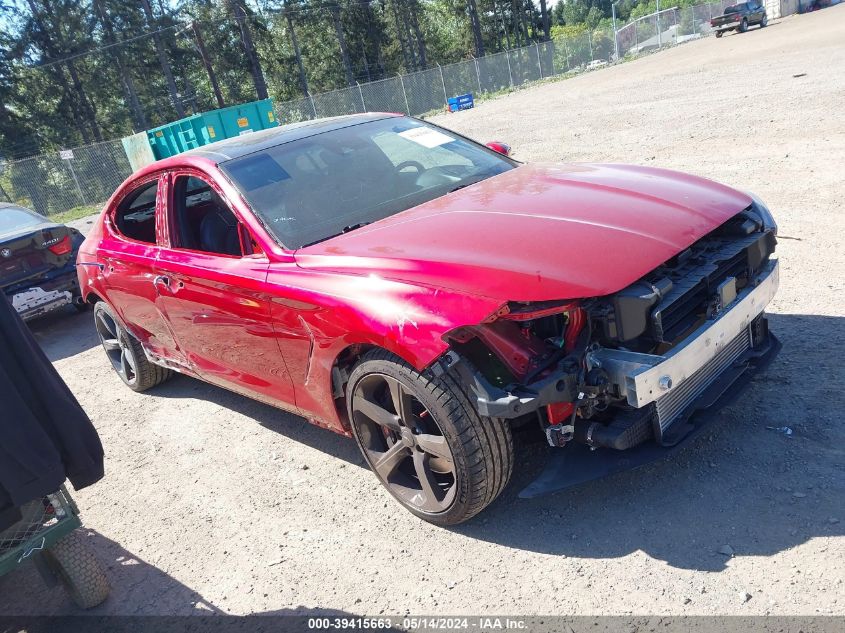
{"x": 238, "y": 146}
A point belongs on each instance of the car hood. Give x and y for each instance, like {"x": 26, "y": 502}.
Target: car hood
{"x": 538, "y": 232}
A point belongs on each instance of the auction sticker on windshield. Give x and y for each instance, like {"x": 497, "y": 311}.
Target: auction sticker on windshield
{"x": 426, "y": 137}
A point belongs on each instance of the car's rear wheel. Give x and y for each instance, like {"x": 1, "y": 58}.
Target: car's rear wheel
{"x": 719, "y": 33}
{"x": 125, "y": 352}
{"x": 425, "y": 441}
{"x": 743, "y": 26}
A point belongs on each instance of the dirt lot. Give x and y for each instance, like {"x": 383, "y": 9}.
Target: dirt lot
{"x": 214, "y": 502}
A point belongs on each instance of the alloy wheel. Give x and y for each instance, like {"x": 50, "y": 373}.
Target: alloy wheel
{"x": 403, "y": 443}
{"x": 115, "y": 342}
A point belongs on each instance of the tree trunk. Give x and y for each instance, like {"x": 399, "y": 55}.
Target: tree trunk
{"x": 77, "y": 97}
{"x": 516, "y": 16}
{"x": 136, "y": 112}
{"x": 162, "y": 59}
{"x": 475, "y": 24}
{"x": 400, "y": 35}
{"x": 501, "y": 14}
{"x": 373, "y": 37}
{"x": 341, "y": 40}
{"x": 87, "y": 104}
{"x": 544, "y": 13}
{"x": 409, "y": 37}
{"x": 303, "y": 81}
{"x": 209, "y": 69}
{"x": 415, "y": 24}
{"x": 249, "y": 49}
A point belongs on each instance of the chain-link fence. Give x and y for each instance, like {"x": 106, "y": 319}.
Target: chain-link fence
{"x": 428, "y": 90}
{"x": 53, "y": 183}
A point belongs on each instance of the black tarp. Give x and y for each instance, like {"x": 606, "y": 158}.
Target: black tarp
{"x": 45, "y": 436}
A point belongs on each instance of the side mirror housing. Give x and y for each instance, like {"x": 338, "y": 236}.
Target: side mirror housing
{"x": 501, "y": 148}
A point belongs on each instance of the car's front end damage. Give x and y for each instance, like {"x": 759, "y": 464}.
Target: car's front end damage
{"x": 619, "y": 380}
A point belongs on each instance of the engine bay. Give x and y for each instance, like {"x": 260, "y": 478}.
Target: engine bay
{"x": 562, "y": 363}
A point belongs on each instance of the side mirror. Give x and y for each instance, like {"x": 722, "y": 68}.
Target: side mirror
{"x": 501, "y": 148}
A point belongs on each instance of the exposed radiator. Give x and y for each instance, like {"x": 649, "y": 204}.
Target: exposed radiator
{"x": 670, "y": 406}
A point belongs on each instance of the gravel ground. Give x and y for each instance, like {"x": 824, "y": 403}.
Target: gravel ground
{"x": 216, "y": 503}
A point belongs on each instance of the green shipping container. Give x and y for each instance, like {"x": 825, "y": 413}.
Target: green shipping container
{"x": 208, "y": 127}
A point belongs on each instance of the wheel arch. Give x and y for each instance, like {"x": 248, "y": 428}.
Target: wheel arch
{"x": 346, "y": 359}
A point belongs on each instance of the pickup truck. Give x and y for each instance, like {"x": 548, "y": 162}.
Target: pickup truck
{"x": 738, "y": 17}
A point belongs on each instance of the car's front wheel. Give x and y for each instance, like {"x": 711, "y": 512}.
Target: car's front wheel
{"x": 425, "y": 441}
{"x": 764, "y": 21}
{"x": 125, "y": 352}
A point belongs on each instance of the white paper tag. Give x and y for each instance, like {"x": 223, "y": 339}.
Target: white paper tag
{"x": 426, "y": 136}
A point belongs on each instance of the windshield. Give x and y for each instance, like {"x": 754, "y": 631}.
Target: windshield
{"x": 737, "y": 8}
{"x": 309, "y": 190}
{"x": 13, "y": 219}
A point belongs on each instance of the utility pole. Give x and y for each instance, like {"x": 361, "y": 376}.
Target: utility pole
{"x": 212, "y": 77}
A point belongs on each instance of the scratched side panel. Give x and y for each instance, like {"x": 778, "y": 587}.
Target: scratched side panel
{"x": 318, "y": 315}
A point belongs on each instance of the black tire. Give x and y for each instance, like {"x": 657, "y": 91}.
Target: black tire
{"x": 125, "y": 352}
{"x": 719, "y": 33}
{"x": 481, "y": 449}
{"x": 78, "y": 569}
{"x": 743, "y": 26}
{"x": 764, "y": 21}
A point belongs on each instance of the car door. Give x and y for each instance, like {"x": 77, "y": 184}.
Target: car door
{"x": 211, "y": 285}
{"x": 126, "y": 257}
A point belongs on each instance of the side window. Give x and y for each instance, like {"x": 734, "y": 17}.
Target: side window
{"x": 201, "y": 221}
{"x": 136, "y": 216}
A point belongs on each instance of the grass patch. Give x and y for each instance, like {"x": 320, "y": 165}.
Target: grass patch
{"x": 76, "y": 213}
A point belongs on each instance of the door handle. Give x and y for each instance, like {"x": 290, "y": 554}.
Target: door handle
{"x": 161, "y": 279}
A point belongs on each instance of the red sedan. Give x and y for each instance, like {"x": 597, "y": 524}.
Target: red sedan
{"x": 393, "y": 281}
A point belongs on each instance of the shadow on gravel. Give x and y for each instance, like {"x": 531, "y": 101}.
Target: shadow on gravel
{"x": 137, "y": 588}
{"x": 742, "y": 485}
{"x": 65, "y": 333}
{"x": 290, "y": 425}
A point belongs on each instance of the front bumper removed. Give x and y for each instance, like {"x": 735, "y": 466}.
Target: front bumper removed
{"x": 577, "y": 463}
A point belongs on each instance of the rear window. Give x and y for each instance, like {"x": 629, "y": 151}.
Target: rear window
{"x": 737, "y": 8}
{"x": 135, "y": 217}
{"x": 13, "y": 219}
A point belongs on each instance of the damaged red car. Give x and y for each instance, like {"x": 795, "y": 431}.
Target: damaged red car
{"x": 395, "y": 282}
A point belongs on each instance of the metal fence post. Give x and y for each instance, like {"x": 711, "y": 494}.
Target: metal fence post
{"x": 615, "y": 32}
{"x": 659, "y": 42}
{"x": 590, "y": 44}
{"x": 313, "y": 107}
{"x": 443, "y": 83}
{"x": 539, "y": 63}
{"x": 75, "y": 180}
{"x": 404, "y": 94}
{"x": 477, "y": 74}
{"x": 510, "y": 74}
{"x": 361, "y": 92}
